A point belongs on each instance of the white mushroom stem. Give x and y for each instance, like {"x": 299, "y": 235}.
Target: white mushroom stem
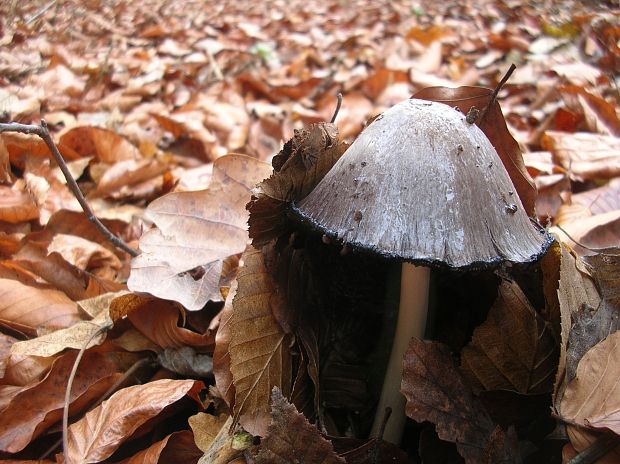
{"x": 411, "y": 322}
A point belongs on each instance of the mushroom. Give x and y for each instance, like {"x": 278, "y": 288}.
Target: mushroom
{"x": 424, "y": 187}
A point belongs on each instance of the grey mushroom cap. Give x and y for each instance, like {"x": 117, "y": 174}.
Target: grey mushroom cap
{"x": 420, "y": 184}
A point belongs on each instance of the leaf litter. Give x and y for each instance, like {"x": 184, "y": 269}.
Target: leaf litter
{"x": 171, "y": 117}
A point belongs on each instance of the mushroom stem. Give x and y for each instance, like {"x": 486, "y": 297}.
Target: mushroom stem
{"x": 412, "y": 310}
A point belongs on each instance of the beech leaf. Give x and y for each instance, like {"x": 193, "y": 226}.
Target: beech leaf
{"x": 291, "y": 438}
{"x": 592, "y": 398}
{"x": 260, "y": 356}
{"x": 514, "y": 349}
{"x": 101, "y": 431}
{"x": 182, "y": 259}
{"x": 436, "y": 392}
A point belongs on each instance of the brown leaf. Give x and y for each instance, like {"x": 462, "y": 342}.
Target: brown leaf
{"x": 576, "y": 292}
{"x": 592, "y": 398}
{"x": 182, "y": 258}
{"x": 101, "y": 431}
{"x": 105, "y": 145}
{"x": 175, "y": 448}
{"x": 259, "y": 351}
{"x": 494, "y": 127}
{"x": 585, "y": 155}
{"x": 514, "y": 349}
{"x": 158, "y": 320}
{"x": 206, "y": 428}
{"x": 291, "y": 438}
{"x": 435, "y": 392}
{"x": 298, "y": 168}
{"x": 16, "y": 205}
{"x": 34, "y": 308}
{"x": 36, "y": 408}
{"x": 600, "y": 115}
{"x": 221, "y": 356}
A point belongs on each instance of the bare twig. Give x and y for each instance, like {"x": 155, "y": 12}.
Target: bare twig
{"x": 339, "y": 97}
{"x": 496, "y": 91}
{"x": 41, "y": 12}
{"x": 65, "y": 410}
{"x": 214, "y": 66}
{"x": 43, "y": 132}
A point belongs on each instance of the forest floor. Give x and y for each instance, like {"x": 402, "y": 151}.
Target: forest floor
{"x": 146, "y": 100}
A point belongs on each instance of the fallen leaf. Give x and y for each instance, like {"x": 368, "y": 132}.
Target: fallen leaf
{"x": 158, "y": 320}
{"x": 298, "y": 167}
{"x": 585, "y": 155}
{"x": 260, "y": 358}
{"x": 206, "y": 427}
{"x": 35, "y": 308}
{"x": 514, "y": 349}
{"x": 592, "y": 397}
{"x": 182, "y": 258}
{"x": 101, "y": 431}
{"x": 305, "y": 444}
{"x": 435, "y": 392}
{"x": 176, "y": 447}
{"x": 16, "y": 205}
{"x": 107, "y": 146}
{"x": 36, "y": 408}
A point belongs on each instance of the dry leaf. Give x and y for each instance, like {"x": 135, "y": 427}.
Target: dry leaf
{"x": 107, "y": 146}
{"x": 592, "y": 398}
{"x": 34, "y": 308}
{"x": 178, "y": 447}
{"x": 36, "y": 408}
{"x": 435, "y": 392}
{"x": 158, "y": 320}
{"x": 585, "y": 155}
{"x": 101, "y": 431}
{"x": 206, "y": 427}
{"x": 182, "y": 258}
{"x": 514, "y": 349}
{"x": 291, "y": 438}
{"x": 260, "y": 356}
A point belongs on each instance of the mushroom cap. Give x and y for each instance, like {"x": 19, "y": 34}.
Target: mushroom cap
{"x": 421, "y": 184}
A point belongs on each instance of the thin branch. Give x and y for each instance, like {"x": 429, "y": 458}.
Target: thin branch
{"x": 65, "y": 409}
{"x": 339, "y": 97}
{"x": 45, "y": 135}
{"x": 496, "y": 91}
{"x": 41, "y": 12}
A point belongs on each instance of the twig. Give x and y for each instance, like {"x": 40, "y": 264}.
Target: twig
{"x": 44, "y": 134}
{"x": 134, "y": 367}
{"x": 339, "y": 97}
{"x": 601, "y": 446}
{"x": 65, "y": 409}
{"x": 41, "y": 12}
{"x": 596, "y": 250}
{"x": 496, "y": 91}
{"x": 214, "y": 66}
